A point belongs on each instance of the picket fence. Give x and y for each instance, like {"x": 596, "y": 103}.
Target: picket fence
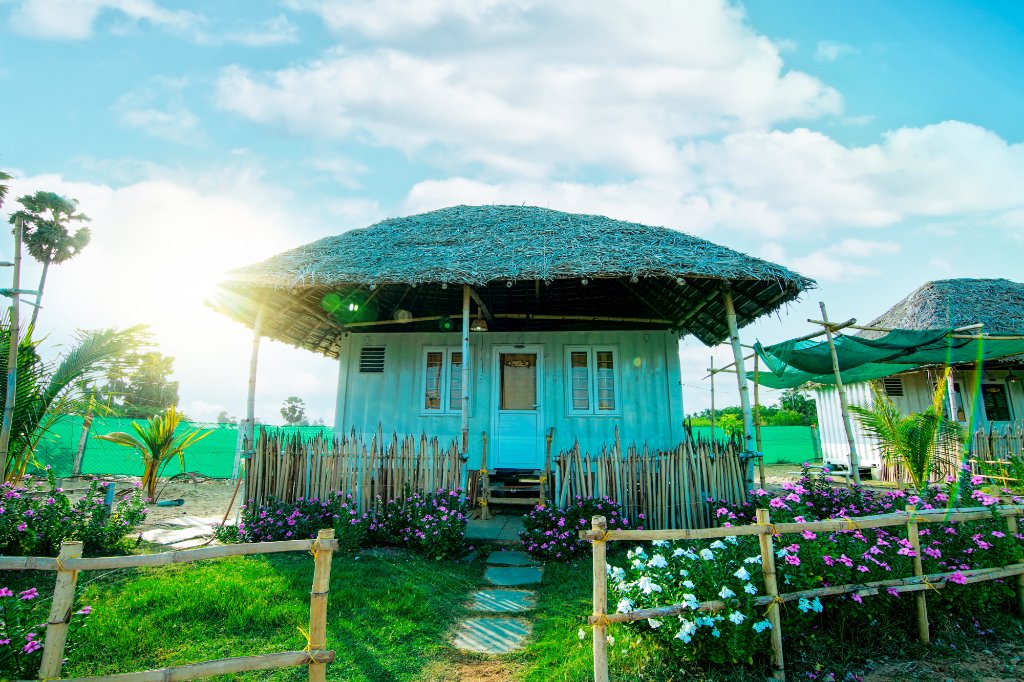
{"x": 669, "y": 487}
{"x": 289, "y": 467}
{"x": 991, "y": 445}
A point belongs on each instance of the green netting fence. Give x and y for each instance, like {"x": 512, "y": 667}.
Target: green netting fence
{"x": 213, "y": 456}
{"x": 780, "y": 444}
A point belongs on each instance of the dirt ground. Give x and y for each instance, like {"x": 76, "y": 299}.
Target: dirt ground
{"x": 207, "y": 499}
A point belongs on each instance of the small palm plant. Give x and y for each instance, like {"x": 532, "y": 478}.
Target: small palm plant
{"x": 156, "y": 441}
{"x": 920, "y": 440}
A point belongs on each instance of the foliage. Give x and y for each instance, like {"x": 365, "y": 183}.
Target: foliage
{"x": 35, "y": 519}
{"x": 48, "y": 391}
{"x": 794, "y": 409}
{"x": 730, "y": 570}
{"x": 293, "y": 410}
{"x": 224, "y": 418}
{"x": 46, "y": 220}
{"x": 23, "y": 631}
{"x": 793, "y": 400}
{"x": 552, "y": 533}
{"x": 138, "y": 385}
{"x": 4, "y": 177}
{"x": 158, "y": 444}
{"x": 919, "y": 440}
{"x": 1009, "y": 470}
{"x": 277, "y": 520}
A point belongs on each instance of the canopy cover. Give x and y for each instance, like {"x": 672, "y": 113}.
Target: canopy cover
{"x": 794, "y": 363}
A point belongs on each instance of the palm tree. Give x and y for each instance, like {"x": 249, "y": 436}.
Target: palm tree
{"x": 47, "y": 391}
{"x": 4, "y": 177}
{"x": 920, "y": 440}
{"x": 46, "y": 221}
{"x": 156, "y": 442}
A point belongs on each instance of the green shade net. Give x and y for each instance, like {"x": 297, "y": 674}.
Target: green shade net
{"x": 793, "y": 363}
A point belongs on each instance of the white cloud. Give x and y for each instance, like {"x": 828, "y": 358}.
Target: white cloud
{"x": 274, "y": 31}
{"x": 844, "y": 261}
{"x": 74, "y": 19}
{"x": 533, "y": 88}
{"x": 159, "y": 109}
{"x": 830, "y": 51}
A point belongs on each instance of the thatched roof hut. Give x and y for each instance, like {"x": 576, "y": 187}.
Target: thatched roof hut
{"x": 531, "y": 269}
{"x": 951, "y": 303}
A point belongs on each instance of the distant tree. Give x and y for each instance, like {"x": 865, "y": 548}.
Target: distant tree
{"x": 224, "y": 418}
{"x": 793, "y": 399}
{"x": 139, "y": 385}
{"x": 319, "y": 421}
{"x": 4, "y": 177}
{"x": 47, "y": 220}
{"x": 294, "y": 411}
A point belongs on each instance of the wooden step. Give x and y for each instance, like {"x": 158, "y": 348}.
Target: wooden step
{"x": 531, "y": 501}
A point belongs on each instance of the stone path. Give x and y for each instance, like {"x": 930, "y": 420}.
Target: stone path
{"x": 501, "y": 528}
{"x": 504, "y": 633}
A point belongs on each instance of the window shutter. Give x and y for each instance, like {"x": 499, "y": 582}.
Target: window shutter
{"x": 893, "y": 386}
{"x": 371, "y": 360}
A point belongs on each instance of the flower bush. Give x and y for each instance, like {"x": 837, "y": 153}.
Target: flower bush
{"x": 23, "y": 630}
{"x": 729, "y": 570}
{"x": 35, "y": 517}
{"x": 432, "y": 523}
{"x": 552, "y": 533}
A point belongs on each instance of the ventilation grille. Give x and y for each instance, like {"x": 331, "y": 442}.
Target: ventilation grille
{"x": 371, "y": 360}
{"x": 893, "y": 386}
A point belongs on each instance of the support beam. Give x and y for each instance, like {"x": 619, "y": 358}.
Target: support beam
{"x": 250, "y": 402}
{"x": 712, "y": 370}
{"x": 843, "y": 404}
{"x": 481, "y": 305}
{"x": 467, "y": 294}
{"x": 12, "y": 356}
{"x": 741, "y": 375}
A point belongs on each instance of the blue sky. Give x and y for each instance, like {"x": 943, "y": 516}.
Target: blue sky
{"x": 870, "y": 145}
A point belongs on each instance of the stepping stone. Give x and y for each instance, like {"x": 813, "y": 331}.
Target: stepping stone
{"x": 166, "y": 536}
{"x": 505, "y": 558}
{"x": 492, "y": 635}
{"x": 502, "y": 601}
{"x": 510, "y": 576}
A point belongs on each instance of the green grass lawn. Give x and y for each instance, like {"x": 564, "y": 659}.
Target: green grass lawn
{"x": 389, "y": 614}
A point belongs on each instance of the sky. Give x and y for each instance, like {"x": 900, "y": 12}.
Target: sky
{"x": 872, "y": 146}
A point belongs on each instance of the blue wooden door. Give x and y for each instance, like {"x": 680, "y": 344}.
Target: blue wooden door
{"x": 517, "y": 413}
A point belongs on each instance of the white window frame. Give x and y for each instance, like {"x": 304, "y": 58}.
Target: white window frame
{"x": 446, "y": 381}
{"x": 592, "y": 410}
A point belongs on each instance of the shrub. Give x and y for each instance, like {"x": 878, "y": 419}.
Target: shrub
{"x": 277, "y": 520}
{"x": 35, "y": 519}
{"x": 729, "y": 570}
{"x": 22, "y": 632}
{"x": 432, "y": 524}
{"x": 552, "y": 533}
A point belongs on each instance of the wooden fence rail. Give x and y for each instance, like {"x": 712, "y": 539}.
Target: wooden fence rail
{"x": 69, "y": 562}
{"x": 290, "y": 467}
{"x": 766, "y": 531}
{"x": 669, "y": 487}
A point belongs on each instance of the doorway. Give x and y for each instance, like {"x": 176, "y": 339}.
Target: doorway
{"x": 518, "y": 405}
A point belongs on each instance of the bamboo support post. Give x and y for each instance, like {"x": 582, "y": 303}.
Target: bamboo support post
{"x": 771, "y": 588}
{"x": 712, "y": 370}
{"x": 854, "y": 473}
{"x": 599, "y": 632}
{"x": 920, "y": 598}
{"x": 1011, "y": 529}
{"x": 757, "y": 419}
{"x": 322, "y": 556}
{"x": 485, "y": 483}
{"x": 60, "y": 612}
{"x": 741, "y": 374}
{"x": 466, "y": 297}
{"x": 250, "y": 399}
{"x": 12, "y": 355}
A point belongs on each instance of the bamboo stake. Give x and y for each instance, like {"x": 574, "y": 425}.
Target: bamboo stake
{"x": 771, "y": 588}
{"x": 60, "y": 612}
{"x": 1011, "y": 529}
{"x": 322, "y": 555}
{"x": 485, "y": 481}
{"x": 741, "y": 375}
{"x": 843, "y": 404}
{"x": 757, "y": 418}
{"x": 712, "y": 370}
{"x": 598, "y": 524}
{"x": 12, "y": 354}
{"x": 920, "y": 598}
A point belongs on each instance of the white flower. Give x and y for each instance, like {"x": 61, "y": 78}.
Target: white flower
{"x": 749, "y": 588}
{"x": 611, "y": 640}
{"x": 705, "y": 621}
{"x": 616, "y": 573}
{"x": 654, "y": 623}
{"x": 706, "y": 554}
{"x": 762, "y": 625}
{"x": 625, "y": 605}
{"x": 726, "y": 593}
{"x": 646, "y": 586}
{"x": 657, "y": 561}
{"x": 715, "y": 632}
{"x": 781, "y": 553}
{"x": 737, "y": 617}
{"x": 679, "y": 551}
{"x": 690, "y": 601}
{"x": 638, "y": 563}
{"x": 804, "y": 605}
{"x": 660, "y": 543}
{"x": 732, "y": 539}
{"x": 753, "y": 559}
{"x": 816, "y": 605}
{"x": 688, "y": 584}
{"x": 581, "y": 634}
{"x": 690, "y": 555}
{"x": 686, "y": 630}
{"x": 717, "y": 544}
{"x": 742, "y": 574}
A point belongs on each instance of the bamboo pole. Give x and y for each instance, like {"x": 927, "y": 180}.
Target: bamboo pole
{"x": 712, "y": 370}
{"x": 485, "y": 482}
{"x": 843, "y": 404}
{"x": 12, "y": 353}
{"x": 920, "y": 598}
{"x": 771, "y": 588}
{"x": 1011, "y": 529}
{"x": 60, "y": 612}
{"x": 465, "y": 367}
{"x": 599, "y": 525}
{"x": 757, "y": 418}
{"x": 322, "y": 555}
{"x": 741, "y": 374}
{"x": 250, "y": 400}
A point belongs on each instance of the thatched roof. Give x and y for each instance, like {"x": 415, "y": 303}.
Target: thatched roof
{"x": 559, "y": 270}
{"x": 951, "y": 303}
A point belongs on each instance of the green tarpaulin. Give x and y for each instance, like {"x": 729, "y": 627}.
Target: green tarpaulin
{"x": 794, "y": 363}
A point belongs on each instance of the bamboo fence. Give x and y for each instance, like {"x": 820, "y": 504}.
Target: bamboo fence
{"x": 766, "y": 531}
{"x": 671, "y": 488}
{"x": 69, "y": 562}
{"x": 289, "y": 467}
{"x": 987, "y": 446}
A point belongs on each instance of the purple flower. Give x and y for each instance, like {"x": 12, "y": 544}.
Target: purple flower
{"x": 28, "y": 594}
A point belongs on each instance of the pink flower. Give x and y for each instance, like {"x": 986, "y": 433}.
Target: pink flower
{"x": 6, "y": 592}
{"x": 84, "y": 611}
{"x": 958, "y": 578}
{"x": 31, "y": 646}
{"x": 808, "y": 535}
{"x": 28, "y": 594}
{"x": 792, "y": 560}
{"x": 857, "y": 598}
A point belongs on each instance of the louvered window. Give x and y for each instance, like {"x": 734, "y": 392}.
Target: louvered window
{"x": 893, "y": 386}
{"x": 371, "y": 360}
{"x": 442, "y": 381}
{"x": 593, "y": 379}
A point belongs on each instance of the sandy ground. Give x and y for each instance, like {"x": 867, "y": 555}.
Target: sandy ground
{"x": 204, "y": 500}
